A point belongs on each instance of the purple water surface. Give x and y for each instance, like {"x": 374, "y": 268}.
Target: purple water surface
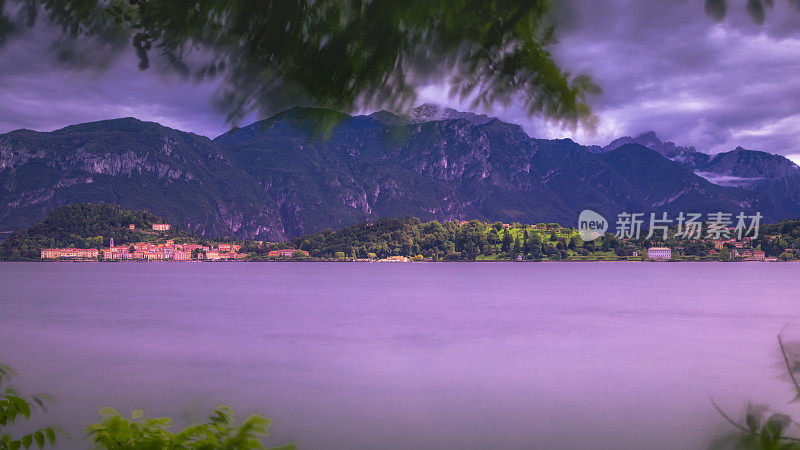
{"x": 423, "y": 355}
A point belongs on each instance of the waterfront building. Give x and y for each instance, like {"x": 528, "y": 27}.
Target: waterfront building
{"x": 659, "y": 253}
{"x": 285, "y": 253}
{"x": 182, "y": 255}
{"x": 50, "y": 253}
{"x": 153, "y": 255}
{"x": 70, "y": 253}
{"x": 752, "y": 255}
{"x": 120, "y": 252}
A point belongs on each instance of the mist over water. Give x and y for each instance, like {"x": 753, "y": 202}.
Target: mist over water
{"x": 424, "y": 355}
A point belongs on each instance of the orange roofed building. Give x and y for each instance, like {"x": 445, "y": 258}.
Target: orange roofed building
{"x": 285, "y": 253}
{"x": 71, "y": 253}
{"x": 148, "y": 251}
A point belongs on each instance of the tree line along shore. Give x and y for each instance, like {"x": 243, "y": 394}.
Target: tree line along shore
{"x": 110, "y": 233}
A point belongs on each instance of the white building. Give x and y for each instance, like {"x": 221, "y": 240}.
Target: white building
{"x": 659, "y": 253}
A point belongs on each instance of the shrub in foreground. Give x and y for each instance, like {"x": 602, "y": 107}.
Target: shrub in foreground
{"x": 116, "y": 432}
{"x": 15, "y": 406}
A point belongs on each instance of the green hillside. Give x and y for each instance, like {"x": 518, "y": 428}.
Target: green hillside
{"x": 84, "y": 225}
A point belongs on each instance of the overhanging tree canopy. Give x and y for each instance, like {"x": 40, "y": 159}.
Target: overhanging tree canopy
{"x": 338, "y": 54}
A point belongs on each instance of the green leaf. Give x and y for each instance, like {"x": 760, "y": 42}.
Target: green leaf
{"x": 753, "y": 423}
{"x": 39, "y": 438}
{"x": 27, "y": 440}
{"x": 6, "y": 372}
{"x": 22, "y": 405}
{"x": 51, "y": 435}
{"x": 11, "y": 412}
{"x": 137, "y": 414}
{"x": 40, "y": 403}
{"x": 773, "y": 429}
{"x": 753, "y": 415}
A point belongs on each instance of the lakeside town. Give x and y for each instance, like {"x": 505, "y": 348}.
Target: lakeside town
{"x": 511, "y": 246}
{"x": 168, "y": 250}
{"x": 104, "y": 232}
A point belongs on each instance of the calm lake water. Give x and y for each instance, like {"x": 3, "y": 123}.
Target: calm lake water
{"x": 402, "y": 356}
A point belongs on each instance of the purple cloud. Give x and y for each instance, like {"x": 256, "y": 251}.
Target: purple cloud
{"x": 663, "y": 66}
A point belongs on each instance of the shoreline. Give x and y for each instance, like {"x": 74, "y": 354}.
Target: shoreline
{"x": 378, "y": 262}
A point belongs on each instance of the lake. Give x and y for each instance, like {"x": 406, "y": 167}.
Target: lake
{"x": 401, "y": 356}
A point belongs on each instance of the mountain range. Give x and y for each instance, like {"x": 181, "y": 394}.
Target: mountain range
{"x": 279, "y": 178}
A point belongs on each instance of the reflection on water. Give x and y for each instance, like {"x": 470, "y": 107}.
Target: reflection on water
{"x": 458, "y": 355}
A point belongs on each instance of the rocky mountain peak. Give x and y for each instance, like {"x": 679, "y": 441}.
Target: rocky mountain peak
{"x": 429, "y": 112}
{"x": 276, "y": 179}
{"x": 649, "y": 137}
{"x": 651, "y": 140}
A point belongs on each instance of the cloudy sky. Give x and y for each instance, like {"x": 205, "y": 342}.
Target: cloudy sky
{"x": 663, "y": 65}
